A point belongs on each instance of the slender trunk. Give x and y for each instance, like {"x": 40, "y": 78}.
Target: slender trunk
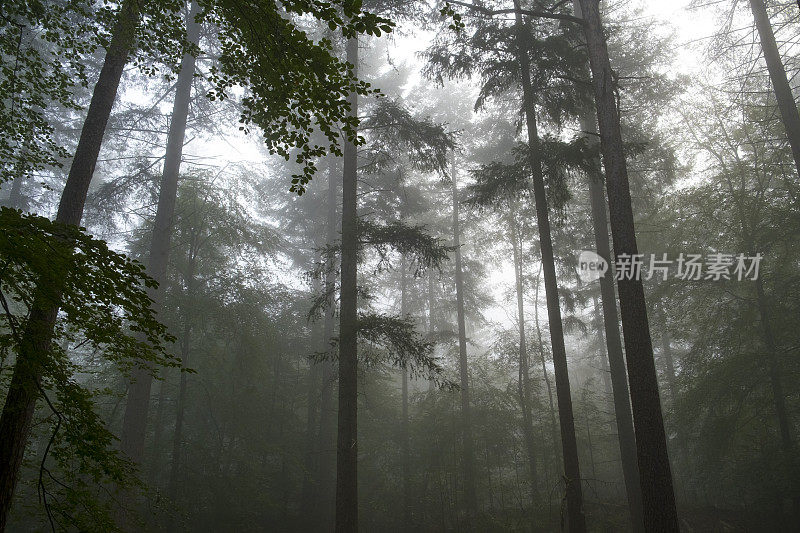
{"x": 616, "y": 360}
{"x": 326, "y": 439}
{"x": 406, "y": 446}
{"x": 310, "y": 481}
{"x": 134, "y": 423}
{"x": 553, "y": 422}
{"x": 586, "y": 404}
{"x": 784, "y": 423}
{"x": 658, "y": 498}
{"x": 177, "y": 437}
{"x": 524, "y": 387}
{"x": 470, "y": 494}
{"x": 431, "y": 383}
{"x": 316, "y": 383}
{"x": 155, "y": 455}
{"x": 23, "y": 391}
{"x": 780, "y": 84}
{"x": 602, "y": 357}
{"x": 576, "y": 520}
{"x": 347, "y": 449}
{"x": 669, "y": 362}
{"x": 307, "y": 494}
{"x": 430, "y": 303}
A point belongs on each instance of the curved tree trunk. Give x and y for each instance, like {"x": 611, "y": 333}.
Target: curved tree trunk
{"x": 24, "y": 389}
{"x": 658, "y": 498}
{"x": 347, "y": 448}
{"x": 576, "y": 520}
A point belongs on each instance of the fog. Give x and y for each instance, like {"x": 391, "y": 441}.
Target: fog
{"x": 520, "y": 265}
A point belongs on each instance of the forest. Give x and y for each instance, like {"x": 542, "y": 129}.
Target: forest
{"x": 383, "y": 265}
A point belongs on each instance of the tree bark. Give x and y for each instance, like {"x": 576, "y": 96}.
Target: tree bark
{"x": 669, "y": 361}
{"x": 314, "y": 496}
{"x": 155, "y": 455}
{"x": 24, "y": 389}
{"x": 658, "y": 498}
{"x": 779, "y": 400}
{"x": 780, "y": 83}
{"x": 523, "y": 386}
{"x": 310, "y": 482}
{"x": 616, "y": 360}
{"x": 326, "y": 439}
{"x": 576, "y": 520}
{"x": 406, "y": 445}
{"x": 347, "y": 449}
{"x": 470, "y": 493}
{"x": 134, "y": 422}
{"x": 177, "y": 437}
{"x": 602, "y": 355}
{"x": 553, "y": 423}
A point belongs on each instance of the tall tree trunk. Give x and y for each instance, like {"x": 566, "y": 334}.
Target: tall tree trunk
{"x": 430, "y": 303}
{"x": 134, "y": 422}
{"x": 176, "y": 465}
{"x": 24, "y": 389}
{"x": 779, "y": 400}
{"x": 658, "y": 498}
{"x": 576, "y": 520}
{"x": 431, "y": 382}
{"x": 406, "y": 445}
{"x": 780, "y": 84}
{"x": 319, "y": 413}
{"x": 602, "y": 356}
{"x": 524, "y": 386}
{"x": 616, "y": 360}
{"x": 470, "y": 494}
{"x": 326, "y": 439}
{"x": 553, "y": 423}
{"x": 155, "y": 454}
{"x": 177, "y": 437}
{"x": 669, "y": 361}
{"x": 347, "y": 449}
{"x": 310, "y": 482}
